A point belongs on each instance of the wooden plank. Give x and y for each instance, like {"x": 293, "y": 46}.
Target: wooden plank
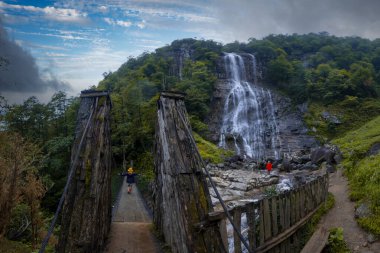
{"x": 281, "y": 207}
{"x": 309, "y": 199}
{"x": 237, "y": 222}
{"x": 292, "y": 208}
{"x": 251, "y": 221}
{"x": 317, "y": 241}
{"x": 223, "y": 232}
{"x": 94, "y": 94}
{"x": 172, "y": 94}
{"x": 298, "y": 205}
{"x": 261, "y": 212}
{"x": 274, "y": 216}
{"x": 287, "y": 211}
{"x": 303, "y": 201}
{"x": 267, "y": 220}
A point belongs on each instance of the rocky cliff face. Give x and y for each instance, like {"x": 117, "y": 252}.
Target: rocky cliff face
{"x": 268, "y": 123}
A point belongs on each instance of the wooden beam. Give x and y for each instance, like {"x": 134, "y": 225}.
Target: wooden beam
{"x": 317, "y": 242}
{"x": 94, "y": 94}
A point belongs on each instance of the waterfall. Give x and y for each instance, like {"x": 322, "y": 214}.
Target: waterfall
{"x": 249, "y": 120}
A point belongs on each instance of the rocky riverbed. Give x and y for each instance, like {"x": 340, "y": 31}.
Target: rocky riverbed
{"x": 240, "y": 180}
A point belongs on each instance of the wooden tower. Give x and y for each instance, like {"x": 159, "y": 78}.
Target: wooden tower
{"x": 86, "y": 214}
{"x": 181, "y": 197}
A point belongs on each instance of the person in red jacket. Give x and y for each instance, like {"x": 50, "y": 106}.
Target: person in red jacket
{"x": 268, "y": 166}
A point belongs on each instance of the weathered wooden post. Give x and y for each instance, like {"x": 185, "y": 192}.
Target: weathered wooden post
{"x": 181, "y": 197}
{"x": 86, "y": 214}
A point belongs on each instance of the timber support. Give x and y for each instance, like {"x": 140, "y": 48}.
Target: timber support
{"x": 86, "y": 214}
{"x": 181, "y": 197}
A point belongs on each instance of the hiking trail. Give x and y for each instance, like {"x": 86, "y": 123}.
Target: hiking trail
{"x": 131, "y": 225}
{"x": 342, "y": 215}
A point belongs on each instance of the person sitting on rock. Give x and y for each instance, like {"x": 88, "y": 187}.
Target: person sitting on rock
{"x": 130, "y": 179}
{"x": 268, "y": 166}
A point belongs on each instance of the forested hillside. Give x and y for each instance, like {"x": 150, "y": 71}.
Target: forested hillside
{"x": 337, "y": 75}
{"x": 339, "y": 78}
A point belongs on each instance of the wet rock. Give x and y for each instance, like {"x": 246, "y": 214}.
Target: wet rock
{"x": 220, "y": 165}
{"x": 239, "y": 186}
{"x": 362, "y": 211}
{"x": 309, "y": 166}
{"x": 374, "y": 150}
{"x": 286, "y": 165}
{"x": 330, "y": 168}
{"x": 331, "y": 118}
{"x": 328, "y": 153}
{"x": 371, "y": 238}
{"x": 234, "y": 159}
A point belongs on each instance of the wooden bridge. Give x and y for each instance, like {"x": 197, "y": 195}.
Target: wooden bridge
{"x": 183, "y": 211}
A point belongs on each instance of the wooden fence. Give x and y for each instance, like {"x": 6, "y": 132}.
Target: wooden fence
{"x": 274, "y": 222}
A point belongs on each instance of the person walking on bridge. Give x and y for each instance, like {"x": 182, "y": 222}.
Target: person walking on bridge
{"x": 130, "y": 179}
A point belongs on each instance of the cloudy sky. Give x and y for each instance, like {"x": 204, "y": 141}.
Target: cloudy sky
{"x": 52, "y": 45}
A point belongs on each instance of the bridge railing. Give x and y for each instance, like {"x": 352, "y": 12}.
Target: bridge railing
{"x": 272, "y": 224}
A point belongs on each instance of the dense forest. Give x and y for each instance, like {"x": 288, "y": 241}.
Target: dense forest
{"x": 335, "y": 74}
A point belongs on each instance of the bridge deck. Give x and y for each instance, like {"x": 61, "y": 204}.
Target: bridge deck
{"x": 131, "y": 225}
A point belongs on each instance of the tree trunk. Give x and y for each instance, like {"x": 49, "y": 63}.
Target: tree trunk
{"x": 86, "y": 215}
{"x": 181, "y": 196}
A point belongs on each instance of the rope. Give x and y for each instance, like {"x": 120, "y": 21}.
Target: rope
{"x": 71, "y": 173}
{"x": 215, "y": 189}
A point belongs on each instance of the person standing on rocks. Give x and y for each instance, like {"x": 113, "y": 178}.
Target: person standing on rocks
{"x": 268, "y": 166}
{"x": 130, "y": 179}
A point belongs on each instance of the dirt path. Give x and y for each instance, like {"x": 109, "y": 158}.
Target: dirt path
{"x": 131, "y": 226}
{"x": 342, "y": 215}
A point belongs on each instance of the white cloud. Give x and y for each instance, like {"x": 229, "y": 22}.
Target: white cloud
{"x": 62, "y": 36}
{"x": 118, "y": 22}
{"x": 124, "y": 23}
{"x": 49, "y": 12}
{"x": 141, "y": 24}
{"x": 51, "y": 54}
{"x": 103, "y": 8}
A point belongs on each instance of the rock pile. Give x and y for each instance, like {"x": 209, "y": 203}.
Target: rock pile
{"x": 241, "y": 179}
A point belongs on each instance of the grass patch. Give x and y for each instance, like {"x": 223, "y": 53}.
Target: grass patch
{"x": 363, "y": 171}
{"x": 7, "y": 246}
{"x": 210, "y": 151}
{"x": 352, "y": 112}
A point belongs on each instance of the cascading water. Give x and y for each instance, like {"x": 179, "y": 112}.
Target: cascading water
{"x": 249, "y": 119}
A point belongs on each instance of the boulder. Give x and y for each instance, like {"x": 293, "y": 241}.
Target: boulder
{"x": 374, "y": 150}
{"x": 286, "y": 166}
{"x": 330, "y": 118}
{"x": 322, "y": 154}
{"x": 309, "y": 166}
{"x": 362, "y": 211}
{"x": 371, "y": 238}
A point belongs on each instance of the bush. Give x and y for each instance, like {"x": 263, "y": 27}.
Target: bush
{"x": 336, "y": 243}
